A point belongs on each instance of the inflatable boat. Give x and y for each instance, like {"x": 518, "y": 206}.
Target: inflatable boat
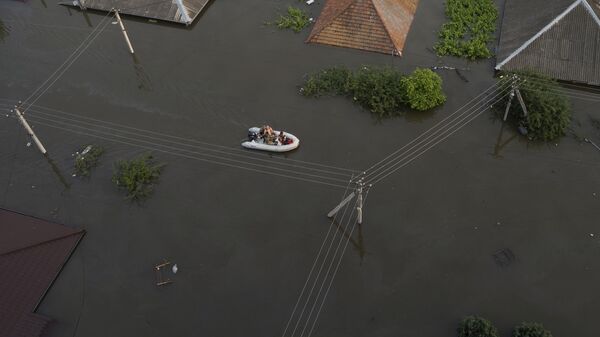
{"x": 255, "y": 143}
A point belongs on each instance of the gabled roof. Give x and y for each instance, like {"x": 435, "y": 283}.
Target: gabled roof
{"x": 178, "y": 11}
{"x": 32, "y": 253}
{"x": 560, "y": 38}
{"x": 373, "y": 25}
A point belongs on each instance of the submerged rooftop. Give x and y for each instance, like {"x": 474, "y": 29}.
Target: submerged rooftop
{"x": 178, "y": 11}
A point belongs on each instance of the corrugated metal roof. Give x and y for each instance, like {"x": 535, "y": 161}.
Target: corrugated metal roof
{"x": 373, "y": 25}
{"x": 179, "y": 11}
{"x": 33, "y": 253}
{"x": 567, "y": 47}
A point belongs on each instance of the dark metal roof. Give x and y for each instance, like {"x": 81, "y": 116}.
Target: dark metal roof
{"x": 179, "y": 11}
{"x": 373, "y": 25}
{"x": 559, "y": 38}
{"x": 32, "y": 253}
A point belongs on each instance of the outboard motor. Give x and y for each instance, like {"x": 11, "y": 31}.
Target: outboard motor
{"x": 252, "y": 136}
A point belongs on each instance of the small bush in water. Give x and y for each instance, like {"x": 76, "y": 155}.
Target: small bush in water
{"x": 295, "y": 19}
{"x": 423, "y": 89}
{"x": 137, "y": 176}
{"x": 473, "y": 326}
{"x": 527, "y": 329}
{"x": 87, "y": 159}
{"x": 470, "y": 29}
{"x": 383, "y": 91}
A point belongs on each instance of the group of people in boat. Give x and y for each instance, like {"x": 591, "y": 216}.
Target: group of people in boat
{"x": 268, "y": 136}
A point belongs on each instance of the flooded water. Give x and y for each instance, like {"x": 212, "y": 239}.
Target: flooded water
{"x": 484, "y": 224}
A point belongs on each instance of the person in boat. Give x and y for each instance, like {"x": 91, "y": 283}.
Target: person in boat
{"x": 281, "y": 138}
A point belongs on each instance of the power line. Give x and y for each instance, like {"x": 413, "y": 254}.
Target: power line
{"x": 317, "y": 258}
{"x": 139, "y": 131}
{"x": 395, "y": 166}
{"x": 430, "y": 133}
{"x": 73, "y": 57}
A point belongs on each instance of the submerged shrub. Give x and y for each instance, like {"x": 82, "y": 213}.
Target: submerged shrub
{"x": 137, "y": 176}
{"x": 474, "y": 326}
{"x": 470, "y": 29}
{"x": 295, "y": 19}
{"x": 382, "y": 90}
{"x": 423, "y": 89}
{"x": 528, "y": 329}
{"x": 549, "y": 111}
{"x": 87, "y": 159}
{"x": 336, "y": 80}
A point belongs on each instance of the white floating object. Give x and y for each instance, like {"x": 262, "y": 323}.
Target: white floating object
{"x": 260, "y": 145}
{"x": 309, "y": 2}
{"x": 592, "y": 234}
{"x": 174, "y": 269}
{"x": 28, "y": 144}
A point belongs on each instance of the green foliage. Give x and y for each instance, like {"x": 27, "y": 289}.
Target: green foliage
{"x": 423, "y": 90}
{"x": 383, "y": 91}
{"x": 549, "y": 112}
{"x": 379, "y": 90}
{"x": 337, "y": 80}
{"x": 87, "y": 159}
{"x": 137, "y": 176}
{"x": 527, "y": 329}
{"x": 471, "y": 27}
{"x": 295, "y": 19}
{"x": 474, "y": 326}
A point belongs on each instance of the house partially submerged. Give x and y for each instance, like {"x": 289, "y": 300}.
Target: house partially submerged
{"x": 178, "y": 11}
{"x": 373, "y": 25}
{"x": 32, "y": 253}
{"x": 558, "y": 38}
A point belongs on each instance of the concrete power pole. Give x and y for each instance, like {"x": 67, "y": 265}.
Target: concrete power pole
{"x": 29, "y": 130}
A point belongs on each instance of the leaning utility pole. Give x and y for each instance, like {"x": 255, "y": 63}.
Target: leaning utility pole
{"x": 29, "y": 130}
{"x": 358, "y": 192}
{"x": 123, "y": 30}
{"x": 514, "y": 91}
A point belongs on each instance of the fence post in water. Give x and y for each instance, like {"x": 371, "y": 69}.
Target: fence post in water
{"x": 123, "y": 30}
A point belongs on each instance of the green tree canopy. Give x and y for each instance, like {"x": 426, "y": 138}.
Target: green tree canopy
{"x": 529, "y": 329}
{"x": 474, "y": 326}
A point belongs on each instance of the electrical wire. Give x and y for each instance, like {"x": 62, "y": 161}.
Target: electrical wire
{"x": 395, "y": 167}
{"x": 432, "y": 132}
{"x": 317, "y": 258}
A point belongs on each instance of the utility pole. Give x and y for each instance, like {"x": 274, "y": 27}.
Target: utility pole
{"x": 29, "y": 130}
{"x": 358, "y": 193}
{"x": 514, "y": 91}
{"x": 123, "y": 30}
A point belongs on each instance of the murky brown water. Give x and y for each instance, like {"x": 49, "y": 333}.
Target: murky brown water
{"x": 434, "y": 233}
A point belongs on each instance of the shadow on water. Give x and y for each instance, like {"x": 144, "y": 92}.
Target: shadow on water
{"x": 4, "y": 31}
{"x": 501, "y": 143}
{"x": 145, "y": 83}
{"x": 357, "y": 243}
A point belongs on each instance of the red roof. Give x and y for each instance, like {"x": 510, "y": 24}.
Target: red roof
{"x": 373, "y": 25}
{"x": 32, "y": 253}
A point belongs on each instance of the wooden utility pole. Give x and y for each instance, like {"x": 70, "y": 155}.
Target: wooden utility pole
{"x": 123, "y": 30}
{"x": 29, "y": 130}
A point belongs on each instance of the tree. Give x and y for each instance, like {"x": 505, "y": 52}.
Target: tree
{"x": 529, "y": 329}
{"x": 549, "y": 111}
{"x": 474, "y": 326}
{"x": 423, "y": 89}
{"x": 137, "y": 176}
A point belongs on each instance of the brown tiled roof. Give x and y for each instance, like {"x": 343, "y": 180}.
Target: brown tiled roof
{"x": 32, "y": 253}
{"x": 373, "y": 25}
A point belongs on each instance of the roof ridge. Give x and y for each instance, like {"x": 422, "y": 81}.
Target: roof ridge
{"x": 389, "y": 35}
{"x": 81, "y": 231}
{"x": 342, "y": 11}
{"x": 592, "y": 11}
{"x": 538, "y": 34}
